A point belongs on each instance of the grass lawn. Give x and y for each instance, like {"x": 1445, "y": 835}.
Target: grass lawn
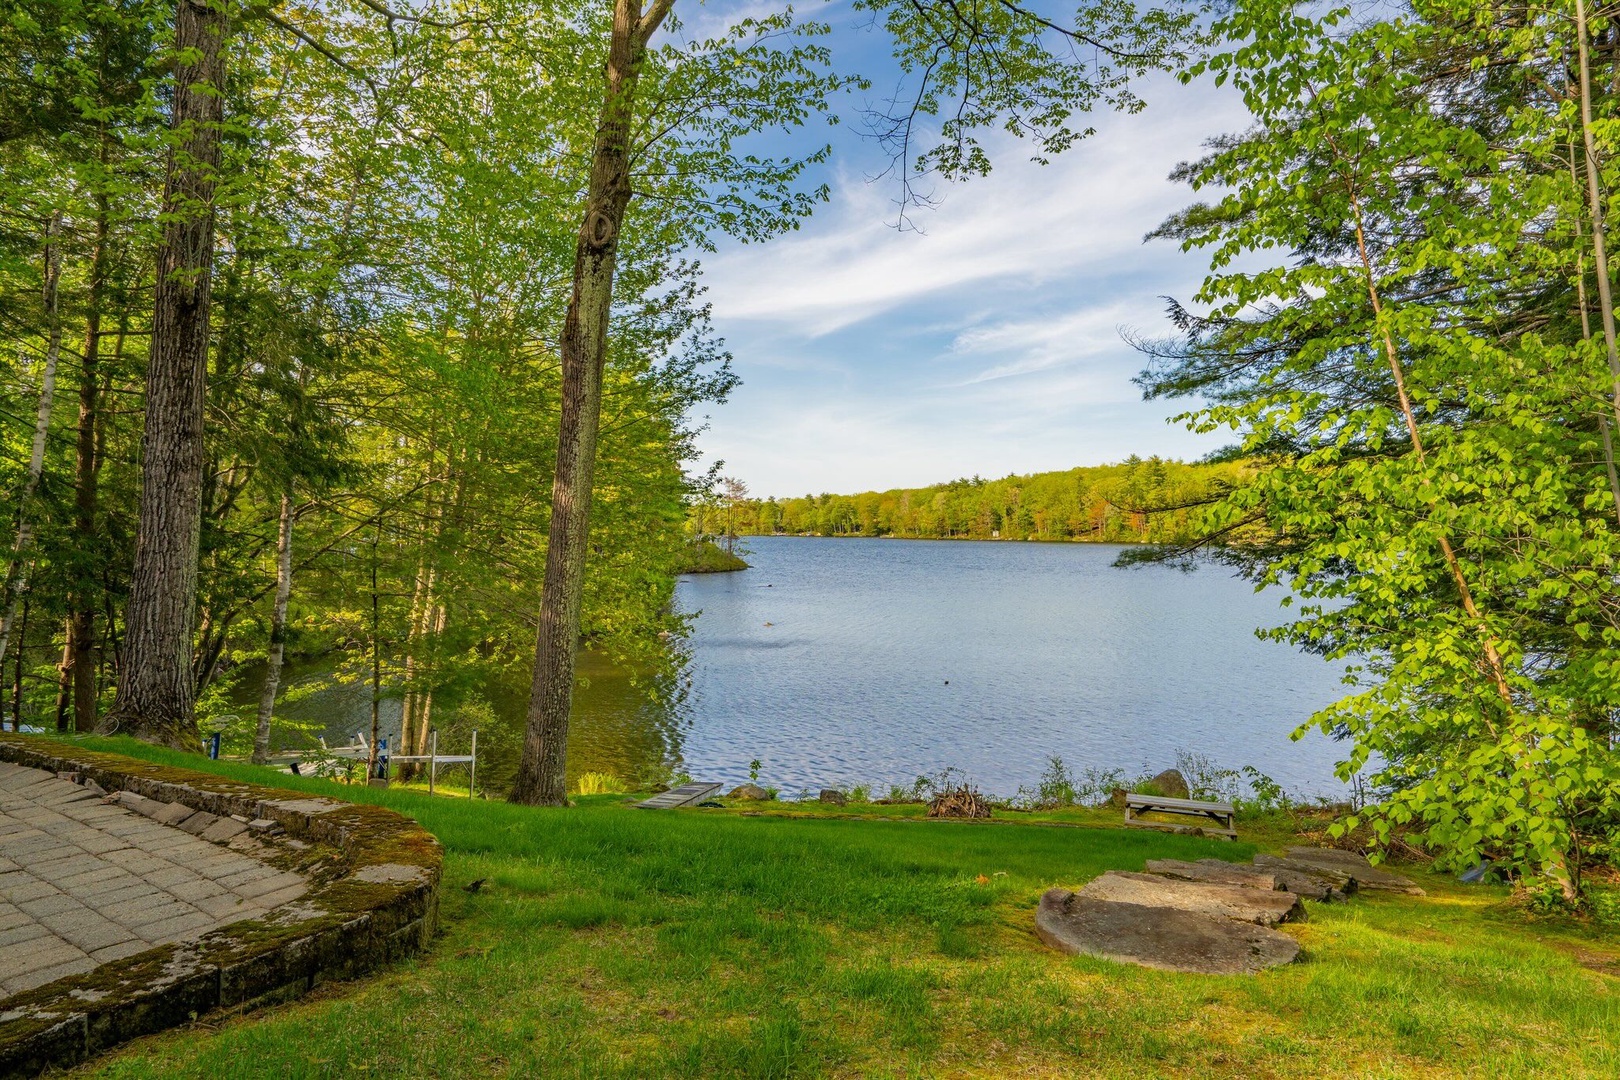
{"x": 614, "y": 942}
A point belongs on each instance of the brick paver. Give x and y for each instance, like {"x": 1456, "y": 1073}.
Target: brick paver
{"x": 85, "y": 882}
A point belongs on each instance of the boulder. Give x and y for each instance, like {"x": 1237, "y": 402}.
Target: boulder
{"x": 833, "y": 796}
{"x": 1365, "y": 873}
{"x": 1310, "y": 882}
{"x": 1263, "y": 907}
{"x": 750, "y": 792}
{"x": 1215, "y": 871}
{"x": 1171, "y": 784}
{"x": 1163, "y": 938}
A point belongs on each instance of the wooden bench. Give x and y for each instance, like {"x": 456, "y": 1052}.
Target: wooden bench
{"x": 1223, "y": 814}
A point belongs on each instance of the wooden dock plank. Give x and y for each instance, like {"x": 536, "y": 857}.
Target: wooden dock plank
{"x": 685, "y": 795}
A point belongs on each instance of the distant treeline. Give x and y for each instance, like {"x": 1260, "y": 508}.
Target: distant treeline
{"x": 1150, "y": 500}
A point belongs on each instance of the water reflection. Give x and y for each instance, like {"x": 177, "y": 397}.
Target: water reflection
{"x": 626, "y": 722}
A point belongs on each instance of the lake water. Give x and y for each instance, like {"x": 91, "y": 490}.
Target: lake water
{"x": 841, "y": 661}
{"x": 861, "y": 661}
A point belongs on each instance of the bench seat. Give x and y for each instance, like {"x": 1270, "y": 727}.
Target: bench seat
{"x": 1220, "y": 818}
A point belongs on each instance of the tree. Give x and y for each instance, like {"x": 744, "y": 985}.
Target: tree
{"x": 16, "y": 579}
{"x": 1424, "y": 389}
{"x": 156, "y": 691}
{"x": 723, "y": 89}
{"x": 734, "y": 492}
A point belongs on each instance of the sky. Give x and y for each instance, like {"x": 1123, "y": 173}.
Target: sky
{"x": 989, "y": 340}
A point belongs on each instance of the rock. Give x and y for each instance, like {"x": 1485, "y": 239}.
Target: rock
{"x": 1215, "y": 871}
{"x": 836, "y": 798}
{"x": 1116, "y": 798}
{"x": 1171, "y": 784}
{"x": 751, "y": 792}
{"x": 1311, "y": 882}
{"x": 1367, "y": 875}
{"x": 1159, "y": 937}
{"x": 171, "y": 813}
{"x": 1264, "y": 907}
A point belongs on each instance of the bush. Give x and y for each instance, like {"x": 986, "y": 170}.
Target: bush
{"x": 596, "y": 783}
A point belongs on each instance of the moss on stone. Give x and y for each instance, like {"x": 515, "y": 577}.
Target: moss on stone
{"x": 344, "y": 925}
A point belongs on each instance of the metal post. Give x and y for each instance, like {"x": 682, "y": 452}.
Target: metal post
{"x": 472, "y": 773}
{"x": 433, "y": 757}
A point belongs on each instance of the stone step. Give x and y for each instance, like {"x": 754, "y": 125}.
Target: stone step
{"x": 1309, "y": 881}
{"x": 1264, "y": 907}
{"x": 1366, "y": 874}
{"x": 1214, "y": 870}
{"x": 1157, "y": 937}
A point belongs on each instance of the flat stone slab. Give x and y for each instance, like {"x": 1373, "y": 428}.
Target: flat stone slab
{"x": 1156, "y": 937}
{"x": 93, "y": 881}
{"x": 1215, "y": 871}
{"x": 1264, "y": 907}
{"x": 1366, "y": 874}
{"x": 1308, "y": 880}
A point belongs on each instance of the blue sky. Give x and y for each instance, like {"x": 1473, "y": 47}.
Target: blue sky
{"x": 990, "y": 341}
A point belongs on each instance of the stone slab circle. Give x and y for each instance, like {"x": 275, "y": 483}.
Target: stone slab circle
{"x": 1166, "y": 938}
{"x": 1207, "y": 916}
{"x": 1214, "y": 870}
{"x": 1263, "y": 907}
{"x": 136, "y": 896}
{"x": 1348, "y": 863}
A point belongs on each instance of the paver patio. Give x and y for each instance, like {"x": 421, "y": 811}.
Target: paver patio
{"x": 84, "y": 881}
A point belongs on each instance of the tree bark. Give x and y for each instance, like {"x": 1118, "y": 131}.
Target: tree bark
{"x": 16, "y": 582}
{"x": 156, "y": 689}
{"x": 16, "y": 685}
{"x": 80, "y": 670}
{"x": 541, "y": 777}
{"x": 278, "y": 633}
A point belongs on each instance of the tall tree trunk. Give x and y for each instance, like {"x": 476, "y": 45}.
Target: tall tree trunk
{"x": 80, "y": 671}
{"x": 413, "y": 637}
{"x": 16, "y": 582}
{"x": 64, "y": 679}
{"x": 156, "y": 690}
{"x": 541, "y": 776}
{"x": 278, "y": 632}
{"x": 16, "y": 685}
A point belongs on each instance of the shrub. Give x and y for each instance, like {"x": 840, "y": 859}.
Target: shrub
{"x": 595, "y": 783}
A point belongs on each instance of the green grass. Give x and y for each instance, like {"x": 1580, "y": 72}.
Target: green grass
{"x": 614, "y": 942}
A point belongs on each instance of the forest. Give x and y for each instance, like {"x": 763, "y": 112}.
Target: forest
{"x": 341, "y": 328}
{"x": 1141, "y": 500}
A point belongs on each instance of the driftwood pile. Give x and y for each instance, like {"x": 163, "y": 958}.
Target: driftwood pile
{"x": 961, "y": 802}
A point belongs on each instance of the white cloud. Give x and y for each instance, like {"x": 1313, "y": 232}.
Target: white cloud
{"x": 991, "y": 343}
{"x": 1081, "y": 218}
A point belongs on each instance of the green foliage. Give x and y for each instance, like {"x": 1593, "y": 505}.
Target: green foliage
{"x": 1151, "y": 500}
{"x": 595, "y": 783}
{"x": 1422, "y": 381}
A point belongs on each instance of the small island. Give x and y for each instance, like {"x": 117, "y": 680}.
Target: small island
{"x": 707, "y": 557}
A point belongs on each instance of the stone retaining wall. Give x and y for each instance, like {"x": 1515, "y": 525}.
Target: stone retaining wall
{"x": 375, "y": 899}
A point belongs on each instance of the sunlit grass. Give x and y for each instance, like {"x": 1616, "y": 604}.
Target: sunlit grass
{"x": 615, "y": 942}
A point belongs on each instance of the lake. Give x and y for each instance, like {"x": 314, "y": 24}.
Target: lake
{"x": 842, "y": 661}
{"x": 836, "y": 662}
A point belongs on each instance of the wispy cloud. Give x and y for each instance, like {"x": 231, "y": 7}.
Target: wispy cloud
{"x": 990, "y": 342}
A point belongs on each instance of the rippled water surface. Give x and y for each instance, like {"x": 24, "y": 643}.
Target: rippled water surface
{"x": 840, "y": 661}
